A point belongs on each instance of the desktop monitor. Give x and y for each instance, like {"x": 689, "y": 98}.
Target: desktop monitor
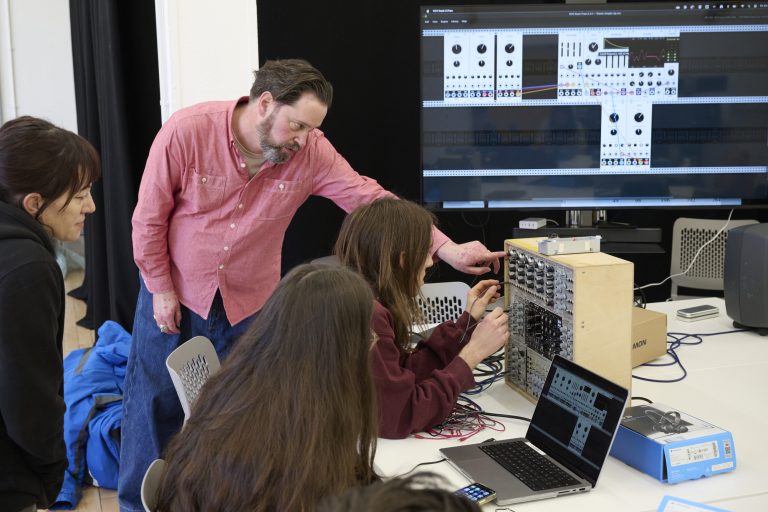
{"x": 614, "y": 105}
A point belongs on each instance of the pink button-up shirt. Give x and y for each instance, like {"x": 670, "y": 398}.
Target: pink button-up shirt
{"x": 202, "y": 223}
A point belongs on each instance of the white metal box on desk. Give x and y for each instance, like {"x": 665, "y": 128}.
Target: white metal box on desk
{"x": 576, "y": 305}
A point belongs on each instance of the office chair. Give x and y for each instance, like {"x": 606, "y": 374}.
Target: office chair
{"x": 327, "y": 260}
{"x": 190, "y": 365}
{"x": 441, "y": 302}
{"x": 150, "y": 484}
{"x": 688, "y": 235}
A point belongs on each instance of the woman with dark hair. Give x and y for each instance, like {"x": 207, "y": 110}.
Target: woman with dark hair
{"x": 388, "y": 242}
{"x": 291, "y": 417}
{"x": 45, "y": 182}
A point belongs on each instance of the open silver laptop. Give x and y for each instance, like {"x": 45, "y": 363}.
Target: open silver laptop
{"x": 567, "y": 442}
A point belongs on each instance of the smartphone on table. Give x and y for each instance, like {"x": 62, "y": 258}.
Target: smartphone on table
{"x": 697, "y": 313}
{"x": 478, "y": 493}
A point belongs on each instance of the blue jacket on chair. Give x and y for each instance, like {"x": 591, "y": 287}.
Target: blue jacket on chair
{"x": 93, "y": 392}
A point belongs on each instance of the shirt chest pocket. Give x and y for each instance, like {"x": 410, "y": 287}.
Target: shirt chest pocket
{"x": 204, "y": 192}
{"x": 280, "y": 198}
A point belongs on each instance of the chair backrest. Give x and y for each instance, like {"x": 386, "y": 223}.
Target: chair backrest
{"x": 150, "y": 484}
{"x": 443, "y": 301}
{"x": 327, "y": 260}
{"x": 190, "y": 365}
{"x": 688, "y": 235}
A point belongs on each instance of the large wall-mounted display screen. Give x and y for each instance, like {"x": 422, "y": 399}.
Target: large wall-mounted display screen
{"x": 597, "y": 106}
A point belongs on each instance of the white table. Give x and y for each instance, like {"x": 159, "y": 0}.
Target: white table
{"x": 726, "y": 384}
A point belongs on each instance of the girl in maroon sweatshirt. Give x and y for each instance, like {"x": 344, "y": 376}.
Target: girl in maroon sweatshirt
{"x": 388, "y": 242}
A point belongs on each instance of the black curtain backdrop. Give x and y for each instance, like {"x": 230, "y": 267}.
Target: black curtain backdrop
{"x": 369, "y": 51}
{"x": 114, "y": 48}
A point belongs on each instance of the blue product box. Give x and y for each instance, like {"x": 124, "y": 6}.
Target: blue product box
{"x": 672, "y": 446}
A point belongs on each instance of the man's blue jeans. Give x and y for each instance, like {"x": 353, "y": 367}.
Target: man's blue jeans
{"x": 152, "y": 412}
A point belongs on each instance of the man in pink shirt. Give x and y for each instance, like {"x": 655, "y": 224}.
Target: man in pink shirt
{"x": 221, "y": 185}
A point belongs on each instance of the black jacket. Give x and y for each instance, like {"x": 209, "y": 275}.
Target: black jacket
{"x": 32, "y": 453}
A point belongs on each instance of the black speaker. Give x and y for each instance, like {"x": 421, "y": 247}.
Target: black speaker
{"x": 745, "y": 277}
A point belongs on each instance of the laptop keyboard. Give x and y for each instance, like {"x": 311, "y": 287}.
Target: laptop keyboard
{"x": 528, "y": 465}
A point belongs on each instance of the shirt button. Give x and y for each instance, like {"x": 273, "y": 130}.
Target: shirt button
{"x": 281, "y": 186}
{"x": 240, "y": 205}
{"x": 204, "y": 179}
{"x": 226, "y": 247}
{"x": 242, "y": 165}
{"x": 221, "y": 267}
{"x": 232, "y": 226}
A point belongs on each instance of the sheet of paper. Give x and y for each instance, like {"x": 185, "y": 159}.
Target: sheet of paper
{"x": 674, "y": 504}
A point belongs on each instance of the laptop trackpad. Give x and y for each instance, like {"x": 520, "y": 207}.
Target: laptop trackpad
{"x": 496, "y": 477}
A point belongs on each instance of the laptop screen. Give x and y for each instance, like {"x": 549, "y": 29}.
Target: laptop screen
{"x": 576, "y": 417}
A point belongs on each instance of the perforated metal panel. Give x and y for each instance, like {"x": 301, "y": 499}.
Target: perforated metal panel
{"x": 690, "y": 235}
{"x": 190, "y": 365}
{"x": 193, "y": 375}
{"x": 441, "y": 309}
{"x": 441, "y": 302}
{"x": 709, "y": 264}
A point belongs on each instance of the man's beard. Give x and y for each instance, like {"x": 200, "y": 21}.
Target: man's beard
{"x": 273, "y": 152}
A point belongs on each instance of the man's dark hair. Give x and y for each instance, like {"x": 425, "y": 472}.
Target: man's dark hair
{"x": 288, "y": 79}
{"x": 418, "y": 493}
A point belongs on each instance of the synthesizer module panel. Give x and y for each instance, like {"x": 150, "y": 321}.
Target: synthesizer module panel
{"x": 576, "y": 305}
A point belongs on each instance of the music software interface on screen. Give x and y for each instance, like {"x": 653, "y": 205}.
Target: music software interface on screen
{"x": 580, "y": 410}
{"x": 574, "y": 93}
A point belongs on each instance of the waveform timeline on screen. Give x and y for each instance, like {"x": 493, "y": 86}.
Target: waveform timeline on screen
{"x": 596, "y": 106}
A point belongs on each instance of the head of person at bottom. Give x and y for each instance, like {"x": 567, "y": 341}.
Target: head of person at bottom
{"x": 290, "y": 417}
{"x": 418, "y": 493}
{"x": 47, "y": 172}
{"x": 388, "y": 242}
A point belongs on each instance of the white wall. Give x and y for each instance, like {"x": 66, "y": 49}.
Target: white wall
{"x": 36, "y": 76}
{"x": 206, "y": 50}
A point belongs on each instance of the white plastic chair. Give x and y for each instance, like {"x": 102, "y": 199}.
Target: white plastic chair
{"x": 150, "y": 484}
{"x": 688, "y": 235}
{"x": 327, "y": 260}
{"x": 443, "y": 301}
{"x": 190, "y": 365}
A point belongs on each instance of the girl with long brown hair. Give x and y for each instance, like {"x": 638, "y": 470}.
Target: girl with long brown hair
{"x": 388, "y": 243}
{"x": 291, "y": 415}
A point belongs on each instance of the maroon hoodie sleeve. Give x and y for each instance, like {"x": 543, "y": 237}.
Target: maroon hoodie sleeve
{"x": 441, "y": 347}
{"x": 417, "y": 391}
